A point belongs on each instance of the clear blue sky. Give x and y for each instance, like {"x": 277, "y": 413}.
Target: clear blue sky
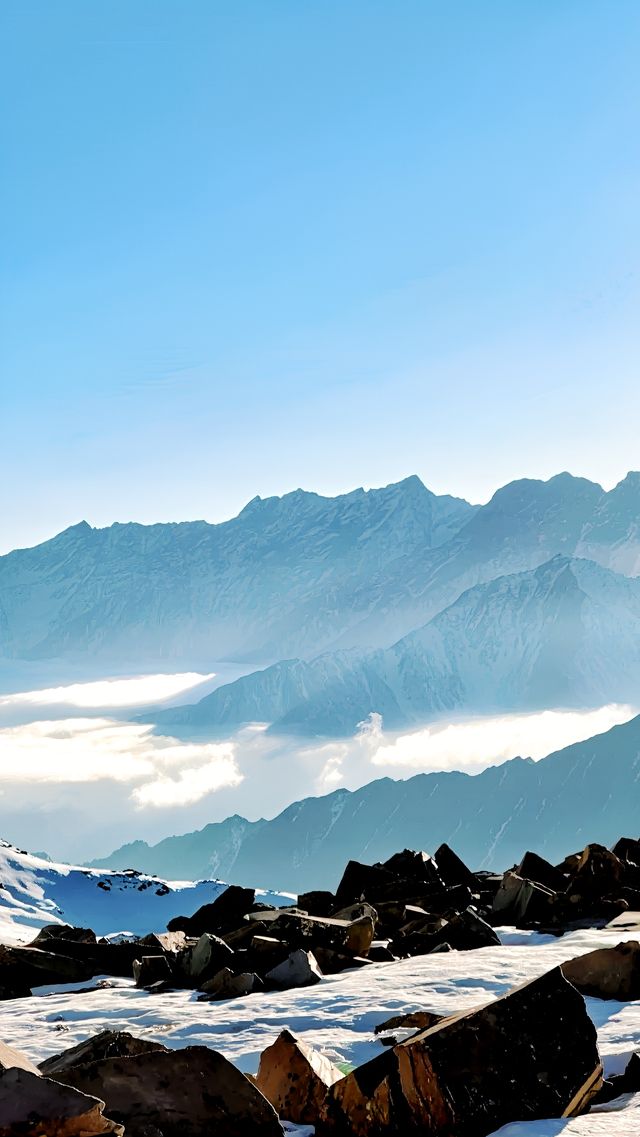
{"x": 257, "y": 244}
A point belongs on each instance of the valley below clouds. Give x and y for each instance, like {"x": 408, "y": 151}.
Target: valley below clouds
{"x": 83, "y": 769}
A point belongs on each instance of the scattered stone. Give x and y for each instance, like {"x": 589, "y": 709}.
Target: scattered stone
{"x": 294, "y": 1078}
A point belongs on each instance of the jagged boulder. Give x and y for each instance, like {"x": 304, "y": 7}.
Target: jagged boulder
{"x": 364, "y": 882}
{"x": 452, "y": 870}
{"x": 599, "y": 873}
{"x": 226, "y": 911}
{"x": 179, "y": 1093}
{"x": 205, "y": 958}
{"x": 226, "y": 985}
{"x": 520, "y": 901}
{"x": 295, "y": 1078}
{"x": 11, "y": 1059}
{"x": 317, "y": 902}
{"x": 300, "y": 969}
{"x": 534, "y": 868}
{"x": 416, "y": 1020}
{"x": 33, "y": 1106}
{"x": 106, "y": 1044}
{"x": 529, "y": 1055}
{"x": 151, "y": 969}
{"x": 607, "y": 973}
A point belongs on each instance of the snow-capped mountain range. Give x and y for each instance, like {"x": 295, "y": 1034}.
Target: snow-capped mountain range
{"x": 587, "y": 791}
{"x": 298, "y": 575}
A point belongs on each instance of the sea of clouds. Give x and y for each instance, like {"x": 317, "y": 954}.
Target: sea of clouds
{"x": 82, "y": 769}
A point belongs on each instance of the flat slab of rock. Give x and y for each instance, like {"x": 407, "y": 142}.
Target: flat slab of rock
{"x": 530, "y": 1055}
{"x": 11, "y": 1059}
{"x": 194, "y": 1092}
{"x": 294, "y": 1078}
{"x": 607, "y": 973}
{"x": 32, "y": 1106}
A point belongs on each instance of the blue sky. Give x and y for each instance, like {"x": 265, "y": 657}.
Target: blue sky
{"x": 255, "y": 245}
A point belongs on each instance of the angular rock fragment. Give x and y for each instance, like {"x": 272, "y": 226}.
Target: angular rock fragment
{"x": 14, "y": 1059}
{"x": 193, "y": 1092}
{"x": 294, "y": 1078}
{"x": 300, "y": 969}
{"x": 106, "y": 1044}
{"x": 32, "y": 1106}
{"x": 519, "y": 900}
{"x": 531, "y": 1054}
{"x": 205, "y": 958}
{"x": 419, "y": 1020}
{"x": 151, "y": 969}
{"x": 535, "y": 868}
{"x": 226, "y": 911}
{"x": 607, "y": 973}
{"x": 226, "y": 985}
{"x": 317, "y": 903}
{"x": 452, "y": 870}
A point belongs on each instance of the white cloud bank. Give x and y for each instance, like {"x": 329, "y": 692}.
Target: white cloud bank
{"x": 130, "y": 692}
{"x": 80, "y": 786}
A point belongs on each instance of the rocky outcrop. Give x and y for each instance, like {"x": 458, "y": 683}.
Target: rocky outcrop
{"x": 107, "y": 1044}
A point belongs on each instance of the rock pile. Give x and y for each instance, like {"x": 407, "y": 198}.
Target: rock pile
{"x": 411, "y": 904}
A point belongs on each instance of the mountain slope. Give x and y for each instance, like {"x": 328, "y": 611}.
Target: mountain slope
{"x": 36, "y": 892}
{"x": 564, "y": 634}
{"x": 287, "y": 574}
{"x": 587, "y": 791}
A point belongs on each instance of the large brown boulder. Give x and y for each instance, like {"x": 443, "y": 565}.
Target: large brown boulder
{"x": 106, "y": 1044}
{"x": 193, "y": 1092}
{"x": 295, "y": 1078}
{"x": 607, "y": 973}
{"x": 599, "y": 873}
{"x": 531, "y": 1054}
{"x": 522, "y": 901}
{"x": 31, "y": 1106}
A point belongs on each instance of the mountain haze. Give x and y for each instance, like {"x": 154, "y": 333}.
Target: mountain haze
{"x": 587, "y": 791}
{"x": 564, "y": 634}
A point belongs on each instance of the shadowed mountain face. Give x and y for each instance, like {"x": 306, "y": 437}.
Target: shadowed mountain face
{"x": 491, "y": 819}
{"x": 297, "y": 575}
{"x": 564, "y": 634}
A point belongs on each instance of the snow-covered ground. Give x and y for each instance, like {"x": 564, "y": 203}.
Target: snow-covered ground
{"x": 338, "y": 1016}
{"x": 35, "y": 892}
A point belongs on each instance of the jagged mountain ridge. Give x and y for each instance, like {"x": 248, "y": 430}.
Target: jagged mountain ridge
{"x": 297, "y": 575}
{"x": 589, "y": 790}
{"x": 564, "y": 634}
{"x": 291, "y": 572}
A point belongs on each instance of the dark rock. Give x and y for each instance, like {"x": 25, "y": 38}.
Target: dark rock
{"x": 226, "y": 985}
{"x": 31, "y": 1106}
{"x": 225, "y": 912}
{"x": 607, "y": 973}
{"x": 300, "y": 969}
{"x": 151, "y": 969}
{"x": 418, "y": 1020}
{"x": 599, "y": 873}
{"x": 535, "y": 868}
{"x": 178, "y": 1093}
{"x": 452, "y": 870}
{"x": 380, "y": 953}
{"x": 317, "y": 903}
{"x": 363, "y": 882}
{"x": 414, "y": 866}
{"x": 107, "y": 1044}
{"x": 519, "y": 901}
{"x": 530, "y": 1055}
{"x": 627, "y": 849}
{"x": 332, "y": 962}
{"x": 205, "y": 958}
{"x": 63, "y": 932}
{"x": 295, "y": 1079}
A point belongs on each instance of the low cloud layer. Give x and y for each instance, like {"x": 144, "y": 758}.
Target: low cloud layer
{"x": 81, "y": 785}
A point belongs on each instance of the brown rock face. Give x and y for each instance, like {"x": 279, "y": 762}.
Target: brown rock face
{"x": 529, "y": 1055}
{"x": 193, "y": 1092}
{"x": 31, "y": 1106}
{"x": 607, "y": 973}
{"x": 107, "y": 1044}
{"x": 295, "y": 1079}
